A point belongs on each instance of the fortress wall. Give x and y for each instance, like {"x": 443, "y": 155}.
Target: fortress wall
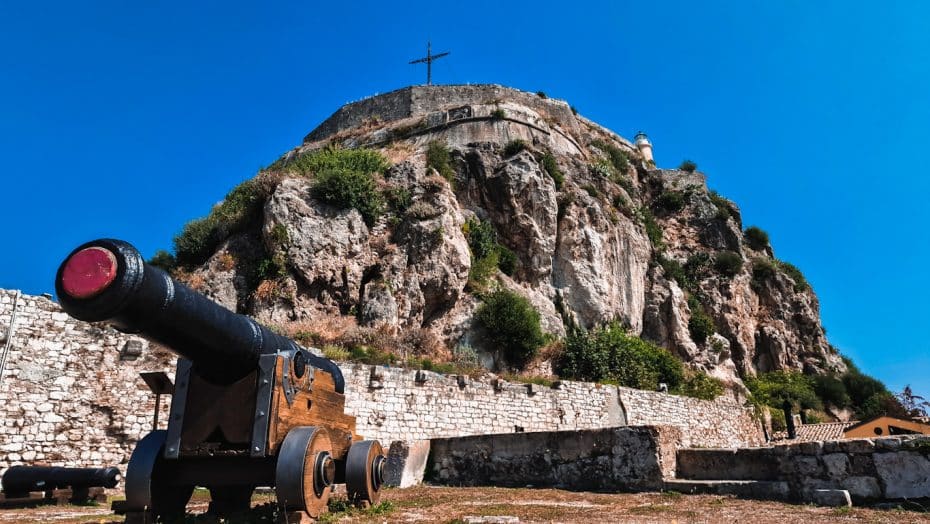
{"x": 422, "y": 100}
{"x": 68, "y": 399}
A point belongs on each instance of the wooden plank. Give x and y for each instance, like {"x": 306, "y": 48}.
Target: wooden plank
{"x": 321, "y": 406}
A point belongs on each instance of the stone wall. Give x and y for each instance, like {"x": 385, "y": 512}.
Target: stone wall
{"x": 628, "y": 458}
{"x": 719, "y": 423}
{"x": 887, "y": 468}
{"x": 71, "y": 395}
{"x": 420, "y": 100}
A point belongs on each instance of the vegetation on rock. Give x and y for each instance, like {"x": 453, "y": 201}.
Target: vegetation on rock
{"x": 512, "y": 325}
{"x": 687, "y": 165}
{"x": 439, "y": 158}
{"x": 756, "y": 238}
{"x": 346, "y": 189}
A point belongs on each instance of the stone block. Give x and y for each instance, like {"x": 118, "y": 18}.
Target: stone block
{"x": 859, "y": 445}
{"x": 831, "y": 497}
{"x": 862, "y": 487}
{"x": 905, "y": 474}
{"x": 836, "y": 464}
{"x": 406, "y": 463}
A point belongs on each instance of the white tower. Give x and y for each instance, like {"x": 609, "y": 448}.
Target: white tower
{"x": 644, "y": 146}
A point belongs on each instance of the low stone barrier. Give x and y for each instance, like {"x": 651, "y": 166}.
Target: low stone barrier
{"x": 870, "y": 469}
{"x": 612, "y": 459}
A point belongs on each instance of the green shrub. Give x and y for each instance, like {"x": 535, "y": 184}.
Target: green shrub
{"x": 687, "y": 165}
{"x": 831, "y": 390}
{"x": 671, "y": 201}
{"x": 775, "y": 387}
{"x": 609, "y": 353}
{"x": 200, "y": 237}
{"x": 541, "y": 94}
{"x": 618, "y": 158}
{"x": 653, "y": 229}
{"x": 700, "y": 325}
{"x": 574, "y": 110}
{"x": 800, "y": 283}
{"x": 163, "y": 260}
{"x": 439, "y": 158}
{"x": 673, "y": 269}
{"x": 512, "y": 324}
{"x": 482, "y": 239}
{"x": 591, "y": 190}
{"x": 345, "y": 189}
{"x": 513, "y": 147}
{"x": 603, "y": 169}
{"x": 481, "y": 272}
{"x": 552, "y": 169}
{"x": 728, "y": 263}
{"x": 498, "y": 113}
{"x": 756, "y": 238}
{"x": 696, "y": 267}
{"x": 197, "y": 241}
{"x": 399, "y": 199}
{"x": 699, "y": 384}
{"x": 763, "y": 270}
{"x": 362, "y": 160}
{"x": 724, "y": 207}
{"x": 507, "y": 260}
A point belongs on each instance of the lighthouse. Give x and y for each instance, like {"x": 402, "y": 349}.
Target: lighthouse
{"x": 644, "y": 145}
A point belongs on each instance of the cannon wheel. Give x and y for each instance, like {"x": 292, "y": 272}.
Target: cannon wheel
{"x": 145, "y": 491}
{"x": 365, "y": 472}
{"x": 305, "y": 470}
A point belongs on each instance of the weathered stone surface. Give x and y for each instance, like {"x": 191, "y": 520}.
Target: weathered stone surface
{"x": 831, "y": 497}
{"x": 905, "y": 474}
{"x": 614, "y": 459}
{"x": 406, "y": 463}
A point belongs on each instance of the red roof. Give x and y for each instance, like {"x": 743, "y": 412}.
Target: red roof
{"x": 822, "y": 431}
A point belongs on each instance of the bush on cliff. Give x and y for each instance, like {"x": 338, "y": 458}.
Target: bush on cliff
{"x": 687, "y": 165}
{"x": 756, "y": 237}
{"x": 552, "y": 169}
{"x": 775, "y": 387}
{"x": 360, "y": 160}
{"x": 487, "y": 254}
{"x": 611, "y": 354}
{"x": 728, "y": 263}
{"x": 512, "y": 324}
{"x": 699, "y": 384}
{"x": 345, "y": 188}
{"x": 439, "y": 158}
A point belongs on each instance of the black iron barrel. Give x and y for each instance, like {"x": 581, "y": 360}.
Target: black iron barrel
{"x": 24, "y": 479}
{"x": 108, "y": 280}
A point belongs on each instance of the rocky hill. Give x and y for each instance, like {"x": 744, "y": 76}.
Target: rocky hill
{"x": 484, "y": 187}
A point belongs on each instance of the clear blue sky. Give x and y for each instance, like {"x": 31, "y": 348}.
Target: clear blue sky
{"x": 127, "y": 120}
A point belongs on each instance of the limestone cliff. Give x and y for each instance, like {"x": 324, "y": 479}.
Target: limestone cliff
{"x": 616, "y": 239}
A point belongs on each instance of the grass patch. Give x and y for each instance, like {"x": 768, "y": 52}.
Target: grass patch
{"x": 332, "y": 157}
{"x": 439, "y": 158}
{"x": 344, "y": 188}
{"x": 513, "y": 147}
{"x": 552, "y": 169}
{"x": 756, "y": 238}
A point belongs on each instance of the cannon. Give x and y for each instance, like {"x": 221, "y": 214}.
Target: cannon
{"x": 251, "y": 407}
{"x": 22, "y": 480}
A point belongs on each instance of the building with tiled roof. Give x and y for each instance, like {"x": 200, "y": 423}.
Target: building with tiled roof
{"x": 821, "y": 431}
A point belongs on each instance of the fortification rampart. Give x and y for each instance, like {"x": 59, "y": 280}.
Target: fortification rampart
{"x": 70, "y": 394}
{"x": 422, "y": 100}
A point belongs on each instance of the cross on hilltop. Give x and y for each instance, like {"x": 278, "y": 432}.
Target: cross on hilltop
{"x": 429, "y": 62}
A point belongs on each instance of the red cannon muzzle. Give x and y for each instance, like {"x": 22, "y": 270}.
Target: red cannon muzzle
{"x": 88, "y": 272}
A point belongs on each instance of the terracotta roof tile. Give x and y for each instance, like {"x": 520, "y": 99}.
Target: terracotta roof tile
{"x": 822, "y": 431}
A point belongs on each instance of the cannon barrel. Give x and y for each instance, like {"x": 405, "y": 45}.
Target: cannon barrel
{"x": 108, "y": 280}
{"x": 23, "y": 479}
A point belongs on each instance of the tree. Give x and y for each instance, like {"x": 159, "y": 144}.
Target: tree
{"x": 915, "y": 405}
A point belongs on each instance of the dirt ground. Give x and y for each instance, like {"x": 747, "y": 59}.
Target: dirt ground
{"x": 454, "y": 505}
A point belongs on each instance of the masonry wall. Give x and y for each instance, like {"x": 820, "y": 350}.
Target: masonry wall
{"x": 69, "y": 397}
{"x": 66, "y": 397}
{"x": 719, "y": 423}
{"x": 420, "y": 100}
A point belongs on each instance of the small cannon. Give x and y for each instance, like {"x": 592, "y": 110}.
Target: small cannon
{"x": 21, "y": 482}
{"x": 251, "y": 407}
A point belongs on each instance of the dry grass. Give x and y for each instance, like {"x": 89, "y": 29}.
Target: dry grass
{"x": 397, "y": 152}
{"x": 226, "y": 261}
{"x": 267, "y": 291}
{"x": 425, "y": 504}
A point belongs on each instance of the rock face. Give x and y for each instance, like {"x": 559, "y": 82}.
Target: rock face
{"x": 600, "y": 246}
